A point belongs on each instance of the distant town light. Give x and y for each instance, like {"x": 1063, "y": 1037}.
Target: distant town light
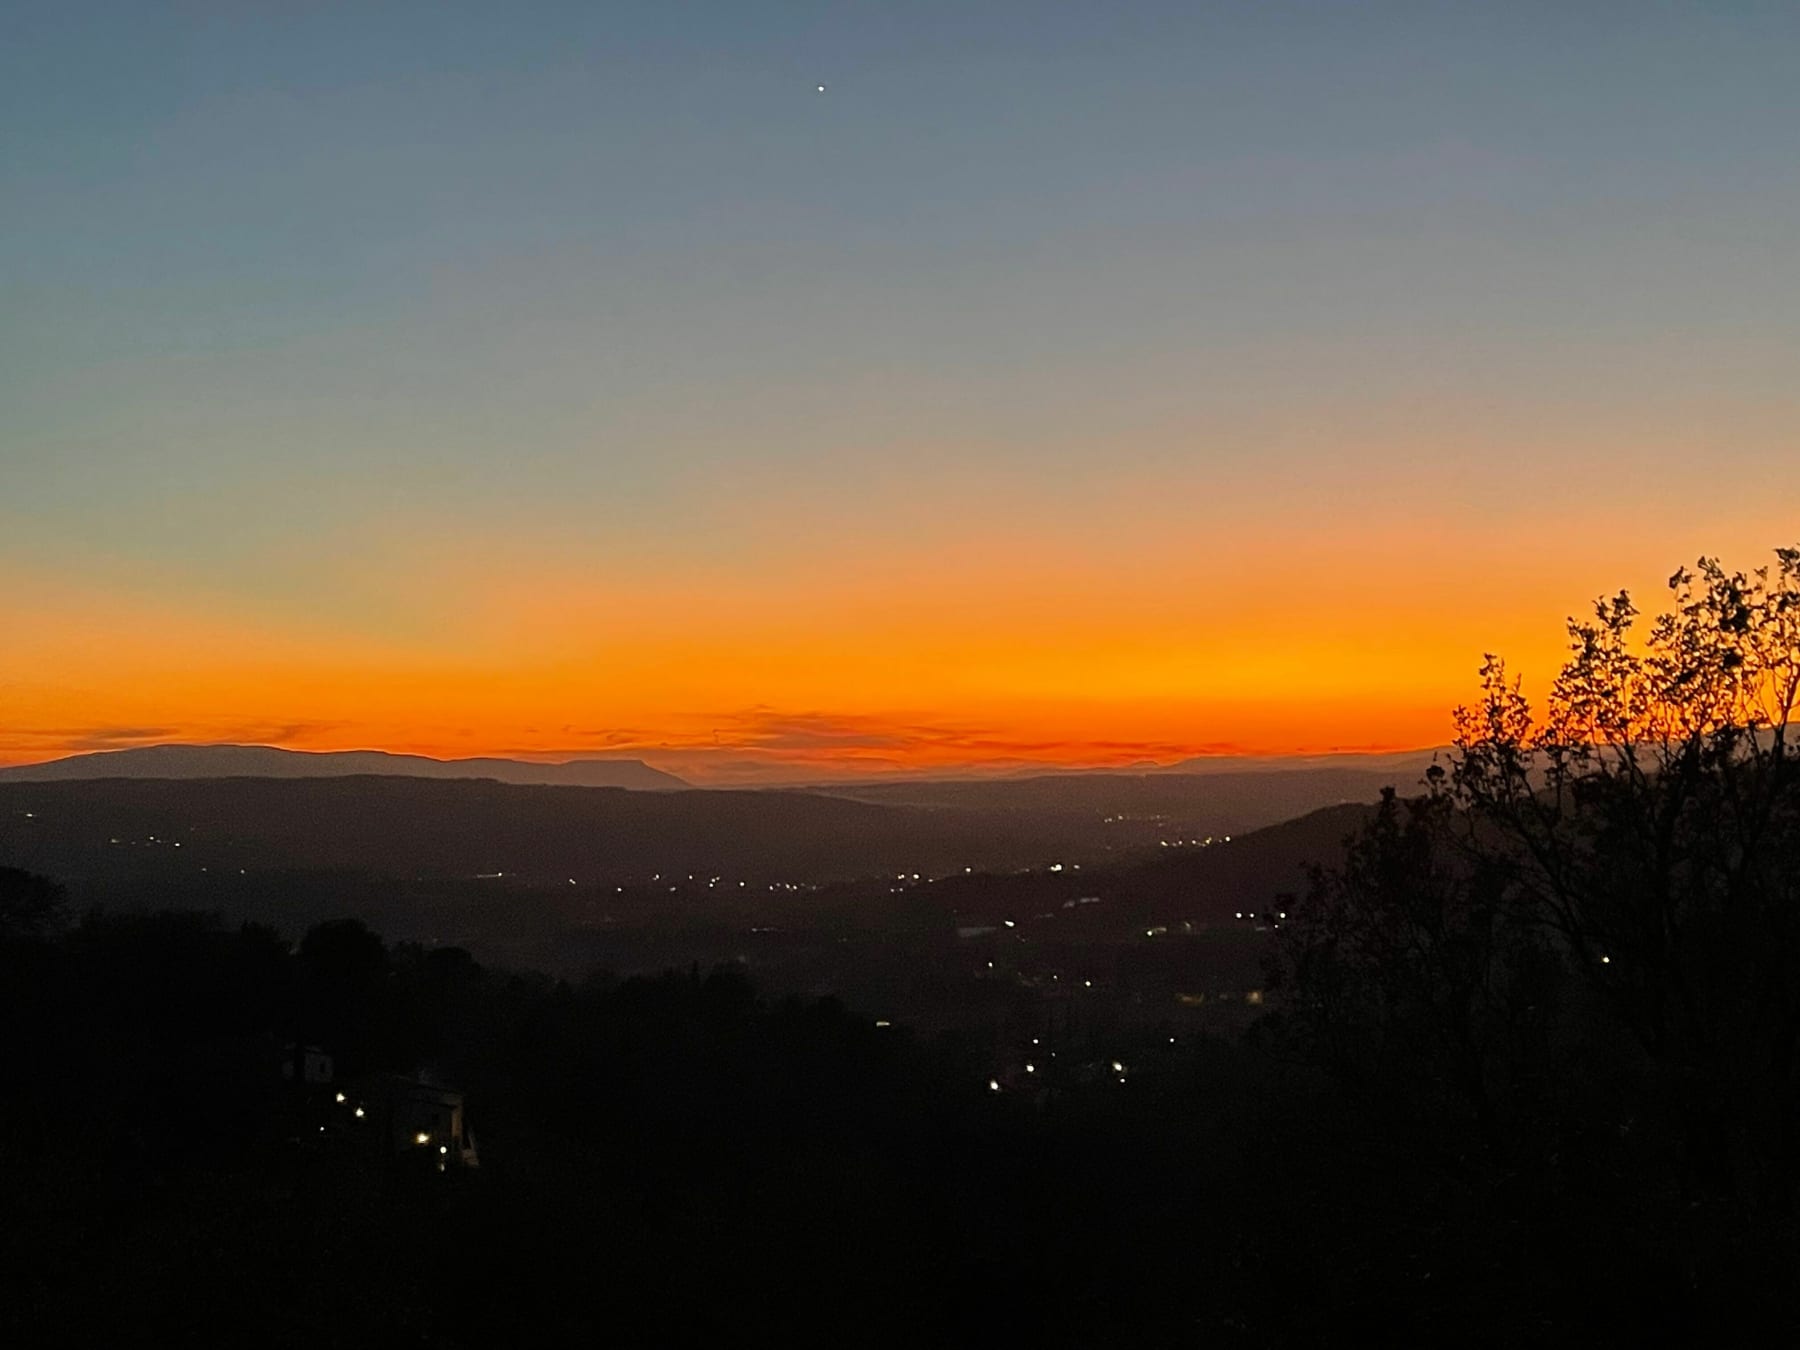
{"x": 1606, "y": 960}
{"x": 1118, "y": 1067}
{"x": 360, "y": 1113}
{"x": 340, "y": 1097}
{"x": 443, "y": 1148}
{"x": 421, "y": 1138}
{"x": 993, "y": 1085}
{"x": 1031, "y": 1068}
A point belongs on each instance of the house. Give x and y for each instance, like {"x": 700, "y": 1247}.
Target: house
{"x": 307, "y": 1065}
{"x": 413, "y": 1117}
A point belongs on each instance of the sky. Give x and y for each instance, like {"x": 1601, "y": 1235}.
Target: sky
{"x": 1065, "y": 383}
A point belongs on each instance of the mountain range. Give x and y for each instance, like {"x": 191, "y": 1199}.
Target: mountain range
{"x": 267, "y": 761}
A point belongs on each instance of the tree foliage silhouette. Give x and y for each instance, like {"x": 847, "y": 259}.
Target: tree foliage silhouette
{"x": 1642, "y": 833}
{"x": 30, "y": 905}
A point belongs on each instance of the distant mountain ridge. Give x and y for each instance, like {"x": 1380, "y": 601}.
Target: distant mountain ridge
{"x": 268, "y": 761}
{"x": 1404, "y": 762}
{"x": 1401, "y": 766}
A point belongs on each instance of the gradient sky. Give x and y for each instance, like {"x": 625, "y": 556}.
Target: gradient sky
{"x": 1086, "y": 383}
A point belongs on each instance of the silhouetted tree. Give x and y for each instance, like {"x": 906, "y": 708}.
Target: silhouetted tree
{"x": 1642, "y": 833}
{"x": 1406, "y": 978}
{"x": 1650, "y": 820}
{"x": 30, "y": 905}
{"x": 354, "y": 1004}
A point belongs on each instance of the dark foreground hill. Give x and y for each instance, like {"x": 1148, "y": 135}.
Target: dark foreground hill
{"x": 686, "y": 1159}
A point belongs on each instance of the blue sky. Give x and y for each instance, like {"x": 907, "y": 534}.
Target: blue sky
{"x": 293, "y": 294}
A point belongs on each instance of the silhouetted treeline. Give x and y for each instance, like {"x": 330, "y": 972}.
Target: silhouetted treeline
{"x": 675, "y": 1157}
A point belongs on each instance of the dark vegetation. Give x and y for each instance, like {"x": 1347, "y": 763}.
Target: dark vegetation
{"x": 675, "y": 1156}
{"x": 664, "y": 1156}
{"x": 1574, "y": 963}
{"x": 1527, "y": 1075}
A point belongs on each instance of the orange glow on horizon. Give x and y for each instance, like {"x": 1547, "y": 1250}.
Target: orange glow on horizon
{"x": 749, "y": 695}
{"x": 988, "y": 652}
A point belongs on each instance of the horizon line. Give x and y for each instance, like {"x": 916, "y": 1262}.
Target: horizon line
{"x": 770, "y": 773}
